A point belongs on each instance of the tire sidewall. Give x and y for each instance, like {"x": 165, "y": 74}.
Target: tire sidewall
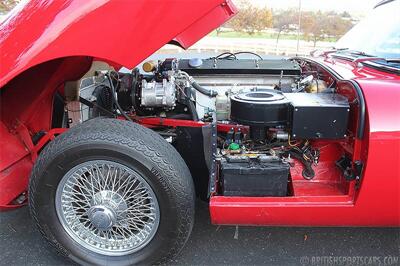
{"x": 54, "y": 171}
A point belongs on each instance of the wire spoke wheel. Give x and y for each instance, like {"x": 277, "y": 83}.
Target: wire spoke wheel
{"x": 112, "y": 192}
{"x": 107, "y": 207}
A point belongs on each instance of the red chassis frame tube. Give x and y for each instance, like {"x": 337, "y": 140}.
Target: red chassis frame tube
{"x": 168, "y": 122}
{"x": 14, "y": 178}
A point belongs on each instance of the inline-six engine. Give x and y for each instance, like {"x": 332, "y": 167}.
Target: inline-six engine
{"x": 271, "y": 108}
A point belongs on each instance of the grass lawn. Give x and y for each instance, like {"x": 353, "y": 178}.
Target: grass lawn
{"x": 262, "y": 35}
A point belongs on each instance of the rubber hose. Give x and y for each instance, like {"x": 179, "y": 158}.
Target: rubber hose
{"x": 193, "y": 111}
{"x": 308, "y": 173}
{"x": 115, "y": 99}
{"x": 204, "y": 91}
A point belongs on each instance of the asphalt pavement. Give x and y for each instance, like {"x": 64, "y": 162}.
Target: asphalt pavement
{"x": 22, "y": 244}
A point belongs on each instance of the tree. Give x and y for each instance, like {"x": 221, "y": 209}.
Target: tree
{"x": 250, "y": 19}
{"x": 314, "y": 26}
{"x": 318, "y": 26}
{"x": 218, "y": 30}
{"x": 283, "y": 20}
{"x": 337, "y": 25}
{"x": 7, "y": 5}
{"x": 263, "y": 19}
{"x": 345, "y": 14}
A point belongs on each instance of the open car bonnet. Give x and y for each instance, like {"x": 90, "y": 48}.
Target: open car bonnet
{"x": 122, "y": 32}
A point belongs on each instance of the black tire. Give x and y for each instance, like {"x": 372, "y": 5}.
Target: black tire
{"x": 135, "y": 147}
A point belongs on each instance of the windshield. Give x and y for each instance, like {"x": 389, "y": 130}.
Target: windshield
{"x": 378, "y": 34}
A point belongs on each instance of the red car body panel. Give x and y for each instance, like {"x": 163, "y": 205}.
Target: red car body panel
{"x": 48, "y": 43}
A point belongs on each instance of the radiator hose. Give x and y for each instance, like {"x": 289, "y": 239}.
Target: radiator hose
{"x": 204, "y": 91}
{"x": 197, "y": 87}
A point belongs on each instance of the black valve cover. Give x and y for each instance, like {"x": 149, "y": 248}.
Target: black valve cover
{"x": 213, "y": 66}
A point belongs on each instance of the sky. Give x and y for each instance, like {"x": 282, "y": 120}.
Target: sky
{"x": 357, "y": 7}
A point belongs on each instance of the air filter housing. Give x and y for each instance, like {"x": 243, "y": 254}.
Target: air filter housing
{"x": 260, "y": 107}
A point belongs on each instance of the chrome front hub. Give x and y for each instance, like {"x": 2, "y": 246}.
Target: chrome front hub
{"x": 107, "y": 207}
{"x": 101, "y": 217}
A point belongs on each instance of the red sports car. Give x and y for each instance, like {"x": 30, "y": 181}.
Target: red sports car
{"x": 111, "y": 162}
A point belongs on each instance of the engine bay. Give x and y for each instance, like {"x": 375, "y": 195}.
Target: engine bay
{"x": 245, "y": 127}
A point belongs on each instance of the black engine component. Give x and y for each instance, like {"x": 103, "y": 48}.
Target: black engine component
{"x": 242, "y": 176}
{"x": 318, "y": 115}
{"x": 259, "y": 109}
{"x": 190, "y": 143}
{"x": 213, "y": 66}
{"x": 126, "y": 89}
{"x": 307, "y": 115}
{"x": 104, "y": 101}
{"x": 351, "y": 171}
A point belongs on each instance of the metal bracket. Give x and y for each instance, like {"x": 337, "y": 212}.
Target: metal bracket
{"x": 351, "y": 170}
{"x": 213, "y": 164}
